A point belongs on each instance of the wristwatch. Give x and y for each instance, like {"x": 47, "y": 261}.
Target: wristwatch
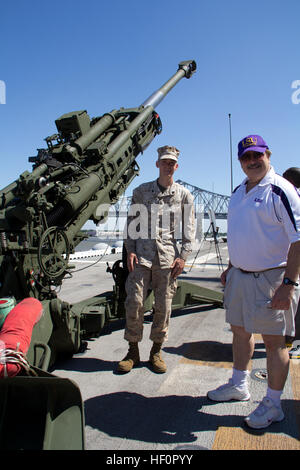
{"x": 287, "y": 281}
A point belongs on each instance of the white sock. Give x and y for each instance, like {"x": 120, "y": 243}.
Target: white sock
{"x": 274, "y": 395}
{"x": 240, "y": 378}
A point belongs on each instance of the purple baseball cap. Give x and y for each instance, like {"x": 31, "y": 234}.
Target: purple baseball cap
{"x": 254, "y": 143}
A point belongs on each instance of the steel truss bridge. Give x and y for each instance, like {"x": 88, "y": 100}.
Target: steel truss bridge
{"x": 208, "y": 200}
{"x": 205, "y": 201}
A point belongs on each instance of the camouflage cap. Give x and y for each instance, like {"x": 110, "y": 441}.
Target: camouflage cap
{"x": 169, "y": 152}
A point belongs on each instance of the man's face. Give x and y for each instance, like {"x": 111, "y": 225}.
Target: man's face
{"x": 167, "y": 167}
{"x": 255, "y": 165}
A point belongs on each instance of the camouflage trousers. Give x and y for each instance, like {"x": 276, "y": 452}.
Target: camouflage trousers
{"x": 139, "y": 281}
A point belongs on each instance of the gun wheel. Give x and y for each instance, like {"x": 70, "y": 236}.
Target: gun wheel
{"x": 53, "y": 252}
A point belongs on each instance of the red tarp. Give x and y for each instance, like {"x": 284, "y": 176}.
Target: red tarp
{"x": 16, "y": 331}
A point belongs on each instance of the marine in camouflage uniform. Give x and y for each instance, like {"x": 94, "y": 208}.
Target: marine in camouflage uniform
{"x": 161, "y": 211}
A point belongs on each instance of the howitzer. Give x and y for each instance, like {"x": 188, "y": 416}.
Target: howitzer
{"x": 85, "y": 169}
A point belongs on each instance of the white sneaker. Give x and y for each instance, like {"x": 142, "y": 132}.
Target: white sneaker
{"x": 228, "y": 392}
{"x": 265, "y": 414}
{"x": 294, "y": 353}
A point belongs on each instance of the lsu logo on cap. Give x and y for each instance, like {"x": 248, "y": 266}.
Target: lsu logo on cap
{"x": 249, "y": 142}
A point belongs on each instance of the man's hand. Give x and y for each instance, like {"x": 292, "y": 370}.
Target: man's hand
{"x": 177, "y": 267}
{"x": 132, "y": 260}
{"x": 224, "y": 275}
{"x": 282, "y": 297}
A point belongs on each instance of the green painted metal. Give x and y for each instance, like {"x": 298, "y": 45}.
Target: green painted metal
{"x": 41, "y": 413}
{"x": 189, "y": 294}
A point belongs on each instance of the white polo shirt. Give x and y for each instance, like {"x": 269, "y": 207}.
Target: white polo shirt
{"x": 263, "y": 223}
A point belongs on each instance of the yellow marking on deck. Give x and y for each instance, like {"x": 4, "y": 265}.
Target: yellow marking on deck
{"x": 227, "y": 438}
{"x": 224, "y": 365}
{"x": 295, "y": 377}
{"x": 209, "y": 353}
{"x": 239, "y": 439}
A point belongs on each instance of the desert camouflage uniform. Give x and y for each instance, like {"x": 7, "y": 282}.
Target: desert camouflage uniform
{"x": 156, "y": 218}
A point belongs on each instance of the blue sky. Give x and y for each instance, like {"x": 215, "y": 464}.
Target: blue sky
{"x": 66, "y": 55}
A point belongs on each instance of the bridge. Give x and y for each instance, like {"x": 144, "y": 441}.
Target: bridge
{"x": 208, "y": 200}
{"x": 205, "y": 201}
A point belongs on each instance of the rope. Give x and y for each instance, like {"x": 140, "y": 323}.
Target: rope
{"x": 11, "y": 356}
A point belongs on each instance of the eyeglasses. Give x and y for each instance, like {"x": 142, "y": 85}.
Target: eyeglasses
{"x": 251, "y": 155}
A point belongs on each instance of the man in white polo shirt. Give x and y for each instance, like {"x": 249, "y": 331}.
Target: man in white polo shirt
{"x": 262, "y": 279}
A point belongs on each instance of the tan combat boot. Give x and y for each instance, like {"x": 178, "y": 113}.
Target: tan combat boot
{"x": 158, "y": 364}
{"x": 131, "y": 360}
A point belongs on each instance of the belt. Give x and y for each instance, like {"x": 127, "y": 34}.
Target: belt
{"x": 263, "y": 271}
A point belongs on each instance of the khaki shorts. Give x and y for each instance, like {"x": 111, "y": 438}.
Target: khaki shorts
{"x": 247, "y": 297}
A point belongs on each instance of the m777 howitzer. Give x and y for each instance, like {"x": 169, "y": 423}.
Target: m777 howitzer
{"x": 85, "y": 169}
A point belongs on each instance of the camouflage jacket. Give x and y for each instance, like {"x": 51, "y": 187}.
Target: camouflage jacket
{"x": 156, "y": 219}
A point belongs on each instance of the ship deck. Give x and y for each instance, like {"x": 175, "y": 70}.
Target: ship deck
{"x": 144, "y": 411}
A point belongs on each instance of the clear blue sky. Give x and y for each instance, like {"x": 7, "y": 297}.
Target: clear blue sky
{"x": 60, "y": 56}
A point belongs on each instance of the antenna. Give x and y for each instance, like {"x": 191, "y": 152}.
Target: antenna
{"x": 230, "y": 138}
